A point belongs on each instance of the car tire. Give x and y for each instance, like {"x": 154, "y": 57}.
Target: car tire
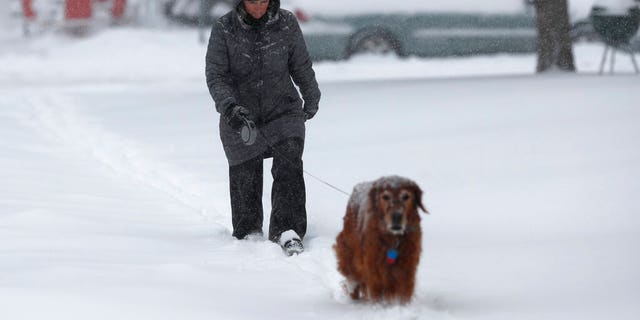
{"x": 373, "y": 40}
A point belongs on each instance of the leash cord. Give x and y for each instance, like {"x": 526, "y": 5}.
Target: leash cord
{"x": 295, "y": 165}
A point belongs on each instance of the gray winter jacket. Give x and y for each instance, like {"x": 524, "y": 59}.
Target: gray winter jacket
{"x": 253, "y": 66}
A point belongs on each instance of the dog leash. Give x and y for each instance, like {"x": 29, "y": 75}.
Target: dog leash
{"x": 249, "y": 132}
{"x": 296, "y": 166}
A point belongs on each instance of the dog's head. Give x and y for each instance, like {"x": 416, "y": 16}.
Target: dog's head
{"x": 396, "y": 201}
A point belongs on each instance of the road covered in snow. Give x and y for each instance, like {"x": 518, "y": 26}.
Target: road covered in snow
{"x": 115, "y": 188}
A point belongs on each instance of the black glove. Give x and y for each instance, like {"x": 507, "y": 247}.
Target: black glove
{"x": 309, "y": 112}
{"x": 235, "y": 116}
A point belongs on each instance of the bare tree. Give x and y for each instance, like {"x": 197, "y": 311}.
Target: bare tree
{"x": 554, "y": 42}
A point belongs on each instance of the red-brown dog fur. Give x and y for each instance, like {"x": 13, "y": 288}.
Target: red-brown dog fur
{"x": 362, "y": 245}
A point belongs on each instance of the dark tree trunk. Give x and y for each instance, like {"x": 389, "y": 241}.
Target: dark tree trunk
{"x": 554, "y": 42}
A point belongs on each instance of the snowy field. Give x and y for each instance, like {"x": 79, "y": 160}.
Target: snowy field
{"x": 115, "y": 190}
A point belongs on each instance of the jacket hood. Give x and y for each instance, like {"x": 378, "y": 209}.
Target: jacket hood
{"x": 273, "y": 5}
{"x": 270, "y": 17}
{"x": 277, "y": 2}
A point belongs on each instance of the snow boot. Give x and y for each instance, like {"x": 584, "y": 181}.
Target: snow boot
{"x": 291, "y": 243}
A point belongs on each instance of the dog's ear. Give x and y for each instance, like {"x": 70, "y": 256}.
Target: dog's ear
{"x": 417, "y": 195}
{"x": 373, "y": 198}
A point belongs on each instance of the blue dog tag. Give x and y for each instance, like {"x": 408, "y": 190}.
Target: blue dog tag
{"x": 392, "y": 256}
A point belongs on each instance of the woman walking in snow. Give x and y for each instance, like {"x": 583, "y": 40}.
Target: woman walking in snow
{"x": 254, "y": 53}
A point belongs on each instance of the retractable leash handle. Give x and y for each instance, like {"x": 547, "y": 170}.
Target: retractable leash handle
{"x": 248, "y": 132}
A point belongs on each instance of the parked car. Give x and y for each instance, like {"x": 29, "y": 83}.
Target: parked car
{"x": 337, "y": 29}
{"x": 188, "y": 12}
{"x": 431, "y": 31}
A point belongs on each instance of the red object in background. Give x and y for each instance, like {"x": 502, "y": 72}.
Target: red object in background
{"x": 77, "y": 9}
{"x": 301, "y": 15}
{"x": 118, "y": 8}
{"x": 27, "y": 8}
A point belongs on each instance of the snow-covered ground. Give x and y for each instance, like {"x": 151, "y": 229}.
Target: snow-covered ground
{"x": 115, "y": 200}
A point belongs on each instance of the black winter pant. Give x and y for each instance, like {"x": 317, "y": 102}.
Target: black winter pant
{"x": 287, "y": 194}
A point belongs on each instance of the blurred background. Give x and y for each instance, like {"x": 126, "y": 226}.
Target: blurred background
{"x": 334, "y": 30}
{"x": 114, "y": 195}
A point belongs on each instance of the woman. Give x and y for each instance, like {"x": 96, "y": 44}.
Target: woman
{"x": 255, "y": 55}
